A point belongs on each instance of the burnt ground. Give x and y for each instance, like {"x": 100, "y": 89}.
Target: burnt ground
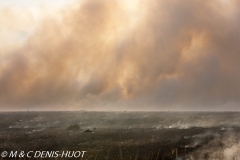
{"x": 117, "y": 135}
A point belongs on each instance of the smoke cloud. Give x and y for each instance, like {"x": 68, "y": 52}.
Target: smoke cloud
{"x": 117, "y": 55}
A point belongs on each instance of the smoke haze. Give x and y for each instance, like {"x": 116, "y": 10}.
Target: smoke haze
{"x": 121, "y": 55}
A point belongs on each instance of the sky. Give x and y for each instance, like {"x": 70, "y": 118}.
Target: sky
{"x": 143, "y": 55}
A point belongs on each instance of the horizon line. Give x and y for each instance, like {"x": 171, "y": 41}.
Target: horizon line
{"x": 119, "y": 111}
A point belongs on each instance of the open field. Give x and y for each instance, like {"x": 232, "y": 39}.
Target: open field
{"x": 124, "y": 135}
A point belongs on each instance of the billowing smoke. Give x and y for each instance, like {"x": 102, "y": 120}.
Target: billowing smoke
{"x": 103, "y": 54}
{"x": 224, "y": 147}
